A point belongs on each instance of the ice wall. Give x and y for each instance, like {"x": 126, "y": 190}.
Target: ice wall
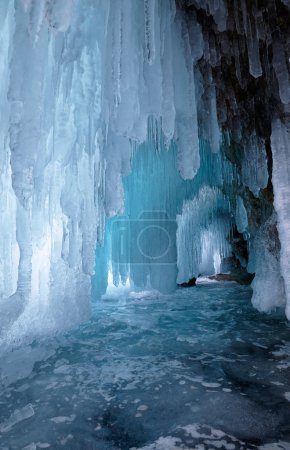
{"x": 51, "y": 164}
{"x": 80, "y": 81}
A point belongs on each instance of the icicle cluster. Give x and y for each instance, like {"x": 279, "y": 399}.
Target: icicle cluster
{"x": 148, "y": 73}
{"x": 80, "y": 82}
{"x": 51, "y": 163}
{"x": 245, "y": 51}
{"x": 203, "y": 228}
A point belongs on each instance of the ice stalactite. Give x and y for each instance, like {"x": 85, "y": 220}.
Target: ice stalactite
{"x": 241, "y": 216}
{"x": 185, "y": 104}
{"x": 254, "y": 165}
{"x": 281, "y": 70}
{"x": 280, "y": 141}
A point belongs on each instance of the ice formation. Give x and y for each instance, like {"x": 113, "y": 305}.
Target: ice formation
{"x": 84, "y": 85}
{"x": 280, "y": 140}
{"x": 201, "y": 235}
{"x": 268, "y": 285}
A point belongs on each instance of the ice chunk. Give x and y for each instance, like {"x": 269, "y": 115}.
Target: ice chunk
{"x": 30, "y": 447}
{"x": 17, "y": 416}
{"x": 63, "y": 419}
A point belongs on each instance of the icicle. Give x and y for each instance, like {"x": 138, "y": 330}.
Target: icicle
{"x": 215, "y": 134}
{"x": 186, "y": 108}
{"x": 253, "y": 50}
{"x": 220, "y": 16}
{"x": 237, "y": 17}
{"x": 168, "y": 107}
{"x": 116, "y": 52}
{"x": 237, "y": 62}
{"x": 241, "y": 216}
{"x": 252, "y": 42}
{"x": 196, "y": 38}
{"x": 37, "y": 15}
{"x": 149, "y": 8}
{"x": 260, "y": 26}
{"x": 281, "y": 70}
{"x": 254, "y": 165}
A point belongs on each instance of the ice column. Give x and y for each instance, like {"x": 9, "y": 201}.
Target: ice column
{"x": 268, "y": 284}
{"x": 51, "y": 165}
{"x": 280, "y": 143}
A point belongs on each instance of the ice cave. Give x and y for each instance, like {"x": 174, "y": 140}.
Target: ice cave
{"x": 144, "y": 224}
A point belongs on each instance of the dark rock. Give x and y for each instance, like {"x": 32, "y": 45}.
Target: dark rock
{"x": 190, "y": 283}
{"x": 244, "y": 278}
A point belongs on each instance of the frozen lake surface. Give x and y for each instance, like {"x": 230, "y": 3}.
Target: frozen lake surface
{"x": 200, "y": 369}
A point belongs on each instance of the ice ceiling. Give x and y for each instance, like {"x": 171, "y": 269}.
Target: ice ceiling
{"x": 91, "y": 92}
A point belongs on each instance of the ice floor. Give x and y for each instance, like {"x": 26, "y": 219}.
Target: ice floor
{"x": 200, "y": 369}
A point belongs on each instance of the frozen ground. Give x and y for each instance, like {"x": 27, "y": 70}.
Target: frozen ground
{"x": 200, "y": 369}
